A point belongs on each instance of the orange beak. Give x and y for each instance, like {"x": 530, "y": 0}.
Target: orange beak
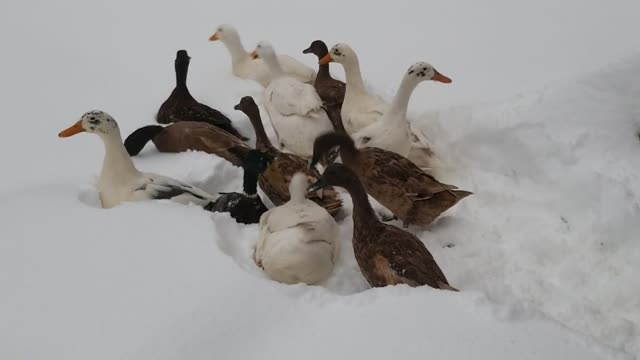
{"x": 254, "y": 54}
{"x": 325, "y": 60}
{"x": 441, "y": 78}
{"x": 214, "y": 37}
{"x": 72, "y": 130}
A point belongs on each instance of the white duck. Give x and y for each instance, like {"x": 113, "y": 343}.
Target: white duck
{"x": 294, "y": 107}
{"x": 245, "y": 67}
{"x": 297, "y": 239}
{"x": 119, "y": 179}
{"x": 359, "y": 109}
{"x": 392, "y": 131}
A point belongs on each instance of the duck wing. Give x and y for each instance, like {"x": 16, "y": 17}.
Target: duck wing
{"x": 292, "y": 97}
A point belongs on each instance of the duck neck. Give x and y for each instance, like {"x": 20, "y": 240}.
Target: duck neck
{"x": 250, "y": 182}
{"x": 262, "y": 140}
{"x": 400, "y": 101}
{"x": 363, "y": 214}
{"x": 237, "y": 51}
{"x": 323, "y": 72}
{"x": 274, "y": 65}
{"x": 298, "y": 189}
{"x": 355, "y": 85}
{"x": 181, "y": 77}
{"x": 117, "y": 165}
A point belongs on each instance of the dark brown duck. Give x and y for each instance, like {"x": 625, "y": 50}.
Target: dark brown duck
{"x": 385, "y": 254}
{"x": 412, "y": 195}
{"x": 181, "y": 106}
{"x": 331, "y": 91}
{"x": 275, "y": 179}
{"x": 189, "y": 135}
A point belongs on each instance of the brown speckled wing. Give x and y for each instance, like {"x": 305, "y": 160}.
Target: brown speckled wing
{"x": 409, "y": 258}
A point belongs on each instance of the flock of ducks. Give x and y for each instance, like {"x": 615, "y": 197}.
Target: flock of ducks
{"x": 363, "y": 145}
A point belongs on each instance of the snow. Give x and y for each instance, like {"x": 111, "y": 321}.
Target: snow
{"x": 540, "y": 122}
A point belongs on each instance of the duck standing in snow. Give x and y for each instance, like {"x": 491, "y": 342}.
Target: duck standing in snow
{"x": 361, "y": 109}
{"x": 246, "y": 67}
{"x": 294, "y": 107}
{"x": 275, "y": 180}
{"x": 385, "y": 254}
{"x": 297, "y": 241}
{"x": 189, "y": 135}
{"x": 181, "y": 106}
{"x": 330, "y": 90}
{"x": 392, "y": 130}
{"x": 119, "y": 179}
{"x": 412, "y": 195}
{"x": 245, "y": 207}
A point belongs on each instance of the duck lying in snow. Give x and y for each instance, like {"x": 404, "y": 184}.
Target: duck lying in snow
{"x": 297, "y": 241}
{"x": 119, "y": 179}
{"x": 181, "y": 106}
{"x": 246, "y": 67}
{"x": 189, "y": 135}
{"x": 385, "y": 254}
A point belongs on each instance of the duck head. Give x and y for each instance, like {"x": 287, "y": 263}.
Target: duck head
{"x": 224, "y": 33}
{"x": 335, "y": 174}
{"x": 423, "y": 71}
{"x": 96, "y": 121}
{"x": 248, "y": 106}
{"x": 318, "y": 48}
{"x": 264, "y": 50}
{"x": 325, "y": 142}
{"x": 340, "y": 53}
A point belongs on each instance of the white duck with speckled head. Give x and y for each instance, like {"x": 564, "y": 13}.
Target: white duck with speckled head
{"x": 392, "y": 131}
{"x": 119, "y": 179}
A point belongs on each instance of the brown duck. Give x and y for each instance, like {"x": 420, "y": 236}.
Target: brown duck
{"x": 331, "y": 91}
{"x": 181, "y": 106}
{"x": 409, "y": 193}
{"x": 189, "y": 135}
{"x": 385, "y": 254}
{"x": 275, "y": 179}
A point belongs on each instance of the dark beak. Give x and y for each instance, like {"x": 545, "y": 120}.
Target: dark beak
{"x": 307, "y": 51}
{"x": 320, "y": 184}
{"x": 237, "y": 107}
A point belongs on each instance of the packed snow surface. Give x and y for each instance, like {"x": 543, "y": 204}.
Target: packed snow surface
{"x": 541, "y": 122}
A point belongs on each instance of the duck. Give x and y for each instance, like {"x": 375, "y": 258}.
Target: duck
{"x": 298, "y": 239}
{"x": 360, "y": 108}
{"x": 246, "y": 67}
{"x": 385, "y": 254}
{"x": 119, "y": 179}
{"x": 413, "y": 196}
{"x": 330, "y": 90}
{"x": 392, "y": 131}
{"x": 275, "y": 180}
{"x": 181, "y": 106}
{"x": 189, "y": 135}
{"x": 295, "y": 108}
{"x": 245, "y": 207}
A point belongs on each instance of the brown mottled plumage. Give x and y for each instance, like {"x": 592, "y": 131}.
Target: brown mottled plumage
{"x": 331, "y": 91}
{"x": 385, "y": 254}
{"x": 181, "y": 106}
{"x": 189, "y": 135}
{"x": 275, "y": 179}
{"x": 412, "y": 195}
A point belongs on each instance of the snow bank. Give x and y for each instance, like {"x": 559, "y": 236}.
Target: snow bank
{"x": 545, "y": 251}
